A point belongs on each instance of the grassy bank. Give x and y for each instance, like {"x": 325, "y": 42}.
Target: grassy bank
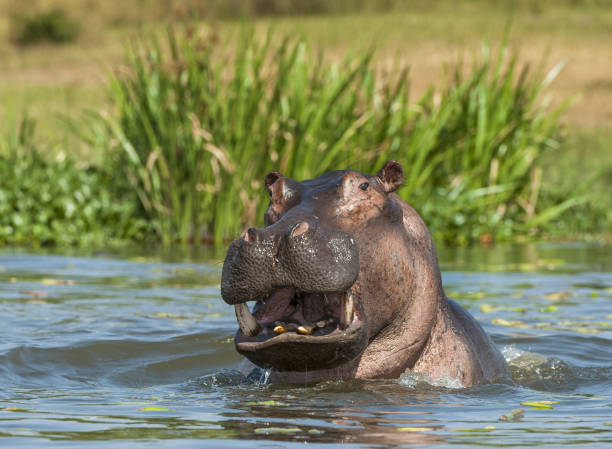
{"x": 196, "y": 123}
{"x": 53, "y": 82}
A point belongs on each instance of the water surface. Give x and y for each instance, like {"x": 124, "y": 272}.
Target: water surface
{"x": 135, "y": 350}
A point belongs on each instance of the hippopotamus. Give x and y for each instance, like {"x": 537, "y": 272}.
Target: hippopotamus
{"x": 346, "y": 285}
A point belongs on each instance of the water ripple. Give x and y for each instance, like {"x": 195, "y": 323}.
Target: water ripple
{"x": 132, "y": 352}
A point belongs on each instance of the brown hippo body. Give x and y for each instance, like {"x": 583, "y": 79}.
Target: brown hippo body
{"x": 347, "y": 285}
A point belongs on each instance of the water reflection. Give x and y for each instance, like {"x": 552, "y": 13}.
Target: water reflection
{"x": 530, "y": 257}
{"x": 367, "y": 413}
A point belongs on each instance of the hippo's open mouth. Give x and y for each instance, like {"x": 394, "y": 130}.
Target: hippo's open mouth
{"x": 292, "y": 331}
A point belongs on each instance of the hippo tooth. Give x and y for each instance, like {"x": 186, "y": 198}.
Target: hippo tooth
{"x": 247, "y": 322}
{"x": 348, "y": 304}
{"x": 306, "y": 330}
{"x": 281, "y": 328}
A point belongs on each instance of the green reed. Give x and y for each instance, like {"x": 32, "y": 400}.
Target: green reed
{"x": 198, "y": 123}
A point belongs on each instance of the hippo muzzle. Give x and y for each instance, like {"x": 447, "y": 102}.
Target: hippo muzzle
{"x": 300, "y": 274}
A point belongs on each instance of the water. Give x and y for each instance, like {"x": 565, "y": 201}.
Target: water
{"x": 121, "y": 351}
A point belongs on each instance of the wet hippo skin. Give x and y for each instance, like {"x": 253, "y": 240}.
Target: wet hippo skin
{"x": 346, "y": 284}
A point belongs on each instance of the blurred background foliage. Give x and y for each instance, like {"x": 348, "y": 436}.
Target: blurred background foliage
{"x": 172, "y": 144}
{"x": 52, "y": 26}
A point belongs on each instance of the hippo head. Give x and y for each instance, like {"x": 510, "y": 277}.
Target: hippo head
{"x": 346, "y": 284}
{"x": 319, "y": 271}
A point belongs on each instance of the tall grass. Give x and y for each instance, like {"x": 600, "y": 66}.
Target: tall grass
{"x": 197, "y": 124}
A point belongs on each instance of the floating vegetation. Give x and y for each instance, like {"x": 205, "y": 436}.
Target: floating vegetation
{"x": 475, "y": 429}
{"x": 488, "y": 308}
{"x": 548, "y": 309}
{"x": 270, "y": 403}
{"x": 540, "y": 405}
{"x": 15, "y": 409}
{"x": 476, "y": 296}
{"x": 557, "y": 296}
{"x": 277, "y": 430}
{"x": 154, "y": 408}
{"x": 514, "y": 323}
{"x": 57, "y": 282}
{"x": 514, "y": 415}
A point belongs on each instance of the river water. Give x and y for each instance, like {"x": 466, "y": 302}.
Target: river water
{"x": 135, "y": 349}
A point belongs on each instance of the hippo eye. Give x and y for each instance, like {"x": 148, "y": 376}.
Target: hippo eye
{"x": 364, "y": 186}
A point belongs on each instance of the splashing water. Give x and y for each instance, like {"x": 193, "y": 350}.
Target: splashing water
{"x": 420, "y": 380}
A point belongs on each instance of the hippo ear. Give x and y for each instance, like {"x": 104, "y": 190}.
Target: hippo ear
{"x": 391, "y": 176}
{"x": 271, "y": 178}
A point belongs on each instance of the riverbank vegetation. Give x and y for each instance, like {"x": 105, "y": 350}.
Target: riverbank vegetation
{"x": 54, "y": 201}
{"x": 197, "y": 131}
{"x": 194, "y": 118}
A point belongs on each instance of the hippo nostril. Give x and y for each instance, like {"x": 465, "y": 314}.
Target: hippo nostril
{"x": 251, "y": 235}
{"x": 299, "y": 229}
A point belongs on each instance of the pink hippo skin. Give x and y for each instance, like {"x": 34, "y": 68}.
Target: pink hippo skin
{"x": 346, "y": 282}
